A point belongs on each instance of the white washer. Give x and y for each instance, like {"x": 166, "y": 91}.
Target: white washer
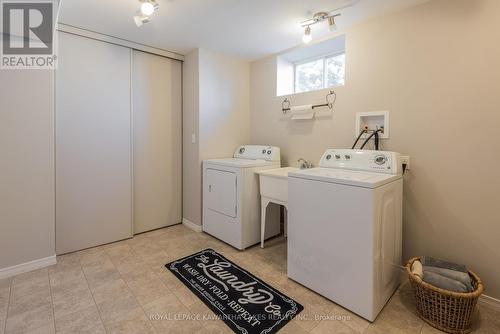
{"x": 345, "y": 228}
{"x": 231, "y": 196}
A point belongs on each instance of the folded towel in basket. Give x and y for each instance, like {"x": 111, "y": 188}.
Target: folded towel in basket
{"x": 432, "y": 262}
{"x": 459, "y": 276}
{"x": 416, "y": 269}
{"x": 444, "y": 282}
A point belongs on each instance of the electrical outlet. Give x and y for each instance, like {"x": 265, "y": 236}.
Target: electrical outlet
{"x": 405, "y": 159}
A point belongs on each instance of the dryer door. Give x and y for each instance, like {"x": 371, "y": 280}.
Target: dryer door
{"x": 221, "y": 192}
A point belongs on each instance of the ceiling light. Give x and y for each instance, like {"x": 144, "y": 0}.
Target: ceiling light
{"x": 140, "y": 20}
{"x": 317, "y": 18}
{"x": 307, "y": 35}
{"x": 147, "y": 8}
{"x": 331, "y": 23}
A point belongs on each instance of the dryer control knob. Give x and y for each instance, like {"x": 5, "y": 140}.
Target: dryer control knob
{"x": 380, "y": 159}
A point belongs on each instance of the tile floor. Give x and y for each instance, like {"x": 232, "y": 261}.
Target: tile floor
{"x": 124, "y": 288}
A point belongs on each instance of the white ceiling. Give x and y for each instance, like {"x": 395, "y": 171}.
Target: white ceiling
{"x": 249, "y": 29}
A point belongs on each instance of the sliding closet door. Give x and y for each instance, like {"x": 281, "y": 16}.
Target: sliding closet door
{"x": 157, "y": 124}
{"x": 93, "y": 144}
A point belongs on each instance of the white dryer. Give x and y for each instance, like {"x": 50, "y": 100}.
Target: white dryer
{"x": 231, "y": 196}
{"x": 345, "y": 228}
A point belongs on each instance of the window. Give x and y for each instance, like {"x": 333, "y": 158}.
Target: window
{"x": 313, "y": 67}
{"x": 319, "y": 73}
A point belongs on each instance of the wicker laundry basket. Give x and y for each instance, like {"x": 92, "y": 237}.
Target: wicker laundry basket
{"x": 445, "y": 310}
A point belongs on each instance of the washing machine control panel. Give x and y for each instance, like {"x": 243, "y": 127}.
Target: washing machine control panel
{"x": 363, "y": 160}
{"x": 254, "y": 152}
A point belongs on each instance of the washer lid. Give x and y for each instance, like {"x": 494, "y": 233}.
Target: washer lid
{"x": 347, "y": 177}
{"x": 240, "y": 163}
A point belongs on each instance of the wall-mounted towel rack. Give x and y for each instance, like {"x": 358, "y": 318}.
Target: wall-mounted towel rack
{"x": 331, "y": 97}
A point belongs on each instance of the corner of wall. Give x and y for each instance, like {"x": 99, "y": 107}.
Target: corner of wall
{"x": 191, "y": 179}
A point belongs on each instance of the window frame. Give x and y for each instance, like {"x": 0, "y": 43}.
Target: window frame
{"x": 310, "y": 60}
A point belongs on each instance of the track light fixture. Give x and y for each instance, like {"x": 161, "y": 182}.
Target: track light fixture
{"x": 307, "y": 35}
{"x": 317, "y": 18}
{"x": 331, "y": 23}
{"x": 147, "y": 8}
{"x": 141, "y": 19}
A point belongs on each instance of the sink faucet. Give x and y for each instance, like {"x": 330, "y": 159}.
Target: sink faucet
{"x": 304, "y": 164}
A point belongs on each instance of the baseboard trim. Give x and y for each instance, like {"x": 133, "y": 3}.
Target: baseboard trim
{"x": 190, "y": 225}
{"x": 490, "y": 302}
{"x": 27, "y": 266}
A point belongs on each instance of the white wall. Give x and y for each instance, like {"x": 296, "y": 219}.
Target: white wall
{"x": 216, "y": 109}
{"x": 191, "y": 168}
{"x": 224, "y": 104}
{"x": 27, "y": 166}
{"x": 436, "y": 68}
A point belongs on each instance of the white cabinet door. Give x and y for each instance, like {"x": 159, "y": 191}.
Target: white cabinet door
{"x": 221, "y": 192}
{"x": 157, "y": 123}
{"x": 93, "y": 144}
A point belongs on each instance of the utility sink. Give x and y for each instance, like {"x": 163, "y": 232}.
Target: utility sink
{"x": 273, "y": 189}
{"x": 274, "y": 183}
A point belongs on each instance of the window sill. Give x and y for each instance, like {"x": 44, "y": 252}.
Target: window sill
{"x": 322, "y": 90}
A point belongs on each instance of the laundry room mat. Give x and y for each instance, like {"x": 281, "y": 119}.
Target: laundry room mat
{"x": 245, "y": 303}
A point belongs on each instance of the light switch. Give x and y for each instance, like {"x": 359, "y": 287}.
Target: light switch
{"x": 193, "y": 138}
